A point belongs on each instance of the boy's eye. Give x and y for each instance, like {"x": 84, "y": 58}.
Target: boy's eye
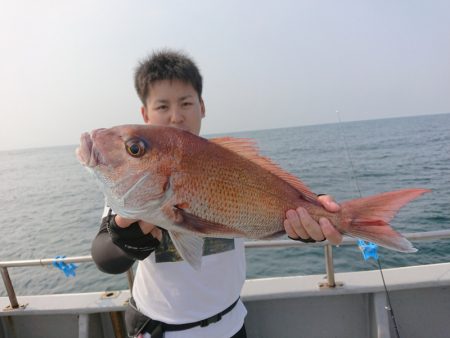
{"x": 185, "y": 104}
{"x": 161, "y": 107}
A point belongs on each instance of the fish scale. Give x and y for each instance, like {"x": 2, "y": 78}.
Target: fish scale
{"x": 235, "y": 200}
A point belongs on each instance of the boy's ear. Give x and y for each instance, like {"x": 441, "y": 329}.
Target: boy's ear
{"x": 144, "y": 114}
{"x": 202, "y": 107}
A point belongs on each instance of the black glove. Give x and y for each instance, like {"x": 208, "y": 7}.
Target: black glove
{"x": 131, "y": 239}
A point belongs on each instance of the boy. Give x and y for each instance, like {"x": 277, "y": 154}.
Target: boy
{"x": 181, "y": 301}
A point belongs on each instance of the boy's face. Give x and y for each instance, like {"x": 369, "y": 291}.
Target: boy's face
{"x": 174, "y": 103}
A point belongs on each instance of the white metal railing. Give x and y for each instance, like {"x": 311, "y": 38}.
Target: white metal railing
{"x": 415, "y": 236}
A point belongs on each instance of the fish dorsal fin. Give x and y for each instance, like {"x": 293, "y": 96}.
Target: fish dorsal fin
{"x": 248, "y": 149}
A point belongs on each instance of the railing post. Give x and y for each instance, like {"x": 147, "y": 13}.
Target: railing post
{"x": 130, "y": 276}
{"x": 329, "y": 265}
{"x": 117, "y": 324}
{"x": 9, "y": 288}
{"x": 331, "y": 282}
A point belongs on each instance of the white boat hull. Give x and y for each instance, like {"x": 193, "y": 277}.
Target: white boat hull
{"x": 277, "y": 307}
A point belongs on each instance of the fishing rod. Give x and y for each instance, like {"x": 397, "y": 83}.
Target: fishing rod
{"x": 372, "y": 248}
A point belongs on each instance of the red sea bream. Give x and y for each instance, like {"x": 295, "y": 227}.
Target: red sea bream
{"x": 195, "y": 188}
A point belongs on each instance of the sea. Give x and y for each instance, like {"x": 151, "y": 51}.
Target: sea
{"x": 51, "y": 206}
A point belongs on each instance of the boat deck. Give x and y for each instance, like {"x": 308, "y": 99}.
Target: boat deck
{"x": 277, "y": 307}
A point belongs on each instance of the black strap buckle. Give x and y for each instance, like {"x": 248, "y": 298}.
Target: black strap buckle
{"x": 211, "y": 320}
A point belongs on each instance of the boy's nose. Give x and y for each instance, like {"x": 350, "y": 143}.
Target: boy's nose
{"x": 176, "y": 117}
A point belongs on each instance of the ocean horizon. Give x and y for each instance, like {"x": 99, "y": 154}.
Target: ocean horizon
{"x": 214, "y": 134}
{"x": 52, "y": 206}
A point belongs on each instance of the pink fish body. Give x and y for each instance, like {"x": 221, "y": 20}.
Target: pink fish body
{"x": 195, "y": 188}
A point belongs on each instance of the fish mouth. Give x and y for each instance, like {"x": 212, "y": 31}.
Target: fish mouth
{"x": 87, "y": 154}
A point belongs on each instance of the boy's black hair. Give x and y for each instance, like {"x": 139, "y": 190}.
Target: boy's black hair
{"x": 166, "y": 64}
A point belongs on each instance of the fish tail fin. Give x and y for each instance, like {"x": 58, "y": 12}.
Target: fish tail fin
{"x": 368, "y": 218}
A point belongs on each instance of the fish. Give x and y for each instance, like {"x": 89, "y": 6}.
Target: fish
{"x": 221, "y": 187}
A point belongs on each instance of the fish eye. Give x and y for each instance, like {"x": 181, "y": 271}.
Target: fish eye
{"x": 135, "y": 147}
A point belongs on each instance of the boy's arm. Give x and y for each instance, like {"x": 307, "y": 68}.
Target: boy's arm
{"x": 107, "y": 256}
{"x": 115, "y": 248}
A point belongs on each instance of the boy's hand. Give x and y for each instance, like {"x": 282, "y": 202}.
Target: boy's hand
{"x": 299, "y": 224}
{"x": 146, "y": 228}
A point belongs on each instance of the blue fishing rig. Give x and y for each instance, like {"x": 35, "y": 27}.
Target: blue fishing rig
{"x": 368, "y": 249}
{"x": 68, "y": 269}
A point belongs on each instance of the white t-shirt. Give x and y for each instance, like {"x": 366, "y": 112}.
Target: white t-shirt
{"x": 175, "y": 293}
{"x": 169, "y": 290}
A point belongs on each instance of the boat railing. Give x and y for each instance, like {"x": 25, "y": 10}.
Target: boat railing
{"x": 330, "y": 283}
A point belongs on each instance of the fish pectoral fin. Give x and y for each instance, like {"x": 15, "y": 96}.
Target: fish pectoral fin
{"x": 179, "y": 215}
{"x": 189, "y": 247}
{"x": 204, "y": 226}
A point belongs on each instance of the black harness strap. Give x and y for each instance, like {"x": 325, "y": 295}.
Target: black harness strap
{"x": 157, "y": 328}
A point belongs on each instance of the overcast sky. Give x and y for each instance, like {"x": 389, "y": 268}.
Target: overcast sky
{"x": 66, "y": 66}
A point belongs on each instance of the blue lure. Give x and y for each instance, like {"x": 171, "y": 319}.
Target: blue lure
{"x": 368, "y": 249}
{"x": 68, "y": 269}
